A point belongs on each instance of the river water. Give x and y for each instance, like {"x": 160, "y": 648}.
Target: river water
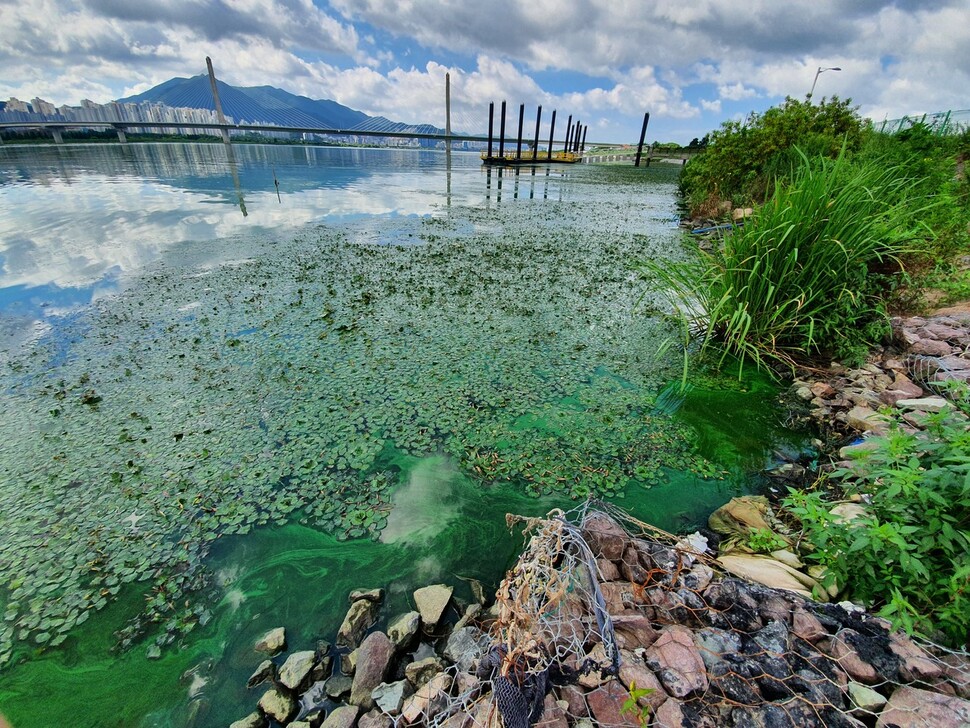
{"x": 238, "y": 384}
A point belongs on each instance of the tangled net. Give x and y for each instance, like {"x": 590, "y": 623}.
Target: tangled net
{"x": 586, "y": 623}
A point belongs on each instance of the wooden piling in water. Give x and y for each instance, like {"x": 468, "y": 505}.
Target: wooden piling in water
{"x": 582, "y": 147}
{"x": 552, "y": 132}
{"x": 569, "y": 130}
{"x": 643, "y": 135}
{"x": 491, "y": 122}
{"x": 501, "y": 136}
{"x": 518, "y": 141}
{"x": 535, "y": 141}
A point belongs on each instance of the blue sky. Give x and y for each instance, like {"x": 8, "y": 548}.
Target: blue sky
{"x": 691, "y": 63}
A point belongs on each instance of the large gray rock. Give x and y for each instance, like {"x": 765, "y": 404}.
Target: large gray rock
{"x": 389, "y": 697}
{"x": 266, "y": 670}
{"x": 360, "y": 617}
{"x": 914, "y": 708}
{"x": 373, "y": 660}
{"x": 420, "y": 672}
{"x": 865, "y": 699}
{"x": 343, "y": 717}
{"x": 375, "y": 719}
{"x": 253, "y": 720}
{"x": 714, "y": 644}
{"x": 272, "y": 642}
{"x": 430, "y": 699}
{"x": 278, "y": 705}
{"x": 431, "y": 602}
{"x": 338, "y": 686}
{"x": 371, "y": 595}
{"x": 465, "y": 647}
{"x": 403, "y": 629}
{"x": 295, "y": 672}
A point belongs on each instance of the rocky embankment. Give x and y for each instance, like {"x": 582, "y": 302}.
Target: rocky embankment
{"x": 926, "y": 355}
{"x": 684, "y": 645}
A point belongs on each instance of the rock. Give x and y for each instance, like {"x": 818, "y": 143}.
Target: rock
{"x": 845, "y": 654}
{"x": 389, "y": 697}
{"x": 865, "y": 419}
{"x": 773, "y": 639}
{"x": 375, "y": 719}
{"x": 847, "y": 512}
{"x": 699, "y": 577}
{"x": 676, "y": 661}
{"x": 465, "y": 647}
{"x": 713, "y": 644}
{"x": 925, "y": 404}
{"x": 865, "y": 699}
{"x": 575, "y": 699}
{"x": 553, "y": 715}
{"x": 278, "y": 705}
{"x": 633, "y": 672}
{"x": 360, "y": 617}
{"x": 607, "y": 570}
{"x": 910, "y": 707}
{"x": 371, "y": 595}
{"x": 315, "y": 717}
{"x": 372, "y": 663}
{"x": 670, "y": 715}
{"x": 604, "y": 705}
{"x": 300, "y": 724}
{"x": 338, "y": 686}
{"x": 605, "y": 536}
{"x": 859, "y": 449}
{"x": 740, "y": 213}
{"x": 420, "y": 673}
{"x": 343, "y": 717}
{"x": 295, "y": 672}
{"x": 823, "y": 390}
{"x": 806, "y": 626}
{"x": 253, "y": 720}
{"x": 430, "y": 699}
{"x": 431, "y": 602}
{"x": 804, "y": 393}
{"x": 265, "y": 671}
{"x": 271, "y": 642}
{"x": 930, "y": 347}
{"x": 348, "y": 662}
{"x": 403, "y": 630}
{"x": 471, "y": 613}
{"x": 634, "y": 630}
{"x": 915, "y": 664}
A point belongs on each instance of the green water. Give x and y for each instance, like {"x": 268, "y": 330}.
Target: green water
{"x": 260, "y": 422}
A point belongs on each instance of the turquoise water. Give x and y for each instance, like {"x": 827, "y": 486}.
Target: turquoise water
{"x": 224, "y": 409}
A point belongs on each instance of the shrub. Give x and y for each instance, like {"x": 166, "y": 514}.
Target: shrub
{"x": 742, "y": 159}
{"x": 798, "y": 279}
{"x": 910, "y": 554}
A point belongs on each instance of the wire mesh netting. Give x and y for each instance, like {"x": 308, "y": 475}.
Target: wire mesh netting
{"x": 942, "y": 122}
{"x": 605, "y": 620}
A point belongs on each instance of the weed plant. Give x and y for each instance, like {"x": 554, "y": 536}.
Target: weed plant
{"x": 798, "y": 280}
{"x": 910, "y": 554}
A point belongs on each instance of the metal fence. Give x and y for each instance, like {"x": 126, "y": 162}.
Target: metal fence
{"x": 942, "y": 122}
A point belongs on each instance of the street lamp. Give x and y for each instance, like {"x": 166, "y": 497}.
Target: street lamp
{"x": 819, "y": 71}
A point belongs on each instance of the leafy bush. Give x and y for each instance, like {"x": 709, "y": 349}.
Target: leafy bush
{"x": 910, "y": 554}
{"x": 797, "y": 279}
{"x": 743, "y": 159}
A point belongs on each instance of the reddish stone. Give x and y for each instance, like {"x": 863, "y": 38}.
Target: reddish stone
{"x": 677, "y": 663}
{"x": 806, "y": 625}
{"x": 914, "y": 663}
{"x": 552, "y": 715}
{"x": 633, "y": 672}
{"x": 670, "y": 715}
{"x": 605, "y": 536}
{"x": 848, "y": 659}
{"x": 913, "y": 708}
{"x": 605, "y": 705}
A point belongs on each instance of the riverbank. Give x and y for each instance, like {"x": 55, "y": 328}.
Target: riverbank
{"x": 606, "y": 621}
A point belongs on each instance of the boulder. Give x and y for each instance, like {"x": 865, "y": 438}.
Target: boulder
{"x": 865, "y": 699}
{"x": 471, "y": 614}
{"x": 266, "y": 670}
{"x": 865, "y": 419}
{"x": 359, "y": 618}
{"x": 272, "y": 642}
{"x": 338, "y": 686}
{"x": 676, "y": 661}
{"x": 420, "y": 672}
{"x": 343, "y": 717}
{"x": 371, "y": 595}
{"x": 925, "y": 404}
{"x": 373, "y": 660}
{"x": 575, "y": 699}
{"x": 465, "y": 647}
{"x": 633, "y": 630}
{"x": 607, "y": 570}
{"x": 605, "y": 536}
{"x": 806, "y": 626}
{"x": 910, "y": 707}
{"x": 375, "y": 719}
{"x": 431, "y": 602}
{"x": 842, "y": 649}
{"x": 389, "y": 697}
{"x": 713, "y": 644}
{"x": 295, "y": 672}
{"x": 403, "y": 629}
{"x": 671, "y": 715}
{"x": 430, "y": 699}
{"x": 915, "y": 664}
{"x": 553, "y": 715}
{"x": 931, "y": 347}
{"x": 253, "y": 720}
{"x": 278, "y": 705}
{"x": 634, "y": 673}
{"x": 605, "y": 703}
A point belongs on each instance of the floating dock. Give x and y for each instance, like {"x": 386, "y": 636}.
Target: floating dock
{"x": 528, "y": 157}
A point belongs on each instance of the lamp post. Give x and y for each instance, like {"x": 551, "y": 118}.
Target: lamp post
{"x": 820, "y": 71}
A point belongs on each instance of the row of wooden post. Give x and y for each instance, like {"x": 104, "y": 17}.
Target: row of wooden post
{"x": 574, "y": 142}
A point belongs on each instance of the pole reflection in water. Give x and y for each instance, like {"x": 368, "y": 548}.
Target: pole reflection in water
{"x": 532, "y": 183}
{"x": 515, "y": 190}
{"x": 235, "y": 179}
{"x": 448, "y": 174}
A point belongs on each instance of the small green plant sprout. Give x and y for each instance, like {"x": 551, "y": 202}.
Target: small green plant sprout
{"x": 764, "y": 541}
{"x": 632, "y": 705}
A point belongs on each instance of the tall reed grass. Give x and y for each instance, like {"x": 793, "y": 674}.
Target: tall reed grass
{"x": 804, "y": 277}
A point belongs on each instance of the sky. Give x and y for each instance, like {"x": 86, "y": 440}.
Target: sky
{"x": 691, "y": 63}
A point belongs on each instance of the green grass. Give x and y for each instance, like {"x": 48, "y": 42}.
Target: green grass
{"x": 804, "y": 277}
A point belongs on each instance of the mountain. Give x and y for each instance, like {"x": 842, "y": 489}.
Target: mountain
{"x": 258, "y": 104}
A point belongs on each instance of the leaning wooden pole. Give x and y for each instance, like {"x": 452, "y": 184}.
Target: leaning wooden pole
{"x": 518, "y": 142}
{"x": 582, "y": 146}
{"x": 448, "y": 111}
{"x": 643, "y": 135}
{"x": 569, "y": 131}
{"x": 215, "y": 98}
{"x": 552, "y": 132}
